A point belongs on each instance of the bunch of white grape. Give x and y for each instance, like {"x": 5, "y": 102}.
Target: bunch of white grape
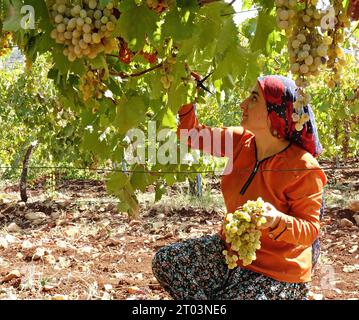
{"x": 84, "y": 28}
{"x": 241, "y": 230}
{"x": 91, "y": 85}
{"x": 167, "y": 78}
{"x": 307, "y": 46}
{"x": 5, "y": 38}
{"x": 312, "y": 46}
{"x": 336, "y": 57}
{"x": 285, "y": 13}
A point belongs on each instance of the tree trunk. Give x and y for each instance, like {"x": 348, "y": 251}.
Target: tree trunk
{"x": 346, "y": 139}
{"x": 195, "y": 186}
{"x": 23, "y": 179}
{"x": 336, "y": 137}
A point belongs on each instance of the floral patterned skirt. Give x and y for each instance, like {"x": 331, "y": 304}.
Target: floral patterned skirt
{"x": 195, "y": 269}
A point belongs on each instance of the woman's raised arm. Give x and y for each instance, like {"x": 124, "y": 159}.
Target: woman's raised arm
{"x": 220, "y": 142}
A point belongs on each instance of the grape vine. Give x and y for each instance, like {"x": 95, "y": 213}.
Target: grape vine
{"x": 118, "y": 64}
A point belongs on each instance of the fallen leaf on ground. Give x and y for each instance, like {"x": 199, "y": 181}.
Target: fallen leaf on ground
{"x": 356, "y": 218}
{"x": 48, "y": 287}
{"x": 59, "y": 297}
{"x": 354, "y": 205}
{"x": 157, "y": 225}
{"x": 39, "y": 253}
{"x": 72, "y": 231}
{"x": 315, "y": 296}
{"x": 19, "y": 255}
{"x": 50, "y": 259}
{"x": 10, "y": 239}
{"x": 135, "y": 290}
{"x": 345, "y": 223}
{"x": 350, "y": 269}
{"x": 32, "y": 216}
{"x": 63, "y": 263}
{"x": 106, "y": 296}
{"x": 13, "y": 227}
{"x": 3, "y": 243}
{"x": 26, "y": 244}
{"x": 134, "y": 223}
{"x": 86, "y": 249}
{"x": 108, "y": 287}
{"x": 15, "y": 274}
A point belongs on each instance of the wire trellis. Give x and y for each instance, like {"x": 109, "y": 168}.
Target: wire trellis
{"x": 149, "y": 171}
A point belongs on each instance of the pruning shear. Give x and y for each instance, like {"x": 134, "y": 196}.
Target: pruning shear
{"x": 200, "y": 81}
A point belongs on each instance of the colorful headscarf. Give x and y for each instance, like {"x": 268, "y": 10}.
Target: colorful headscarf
{"x": 280, "y": 94}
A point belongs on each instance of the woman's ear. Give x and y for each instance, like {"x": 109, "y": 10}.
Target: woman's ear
{"x": 269, "y": 124}
{"x": 273, "y": 131}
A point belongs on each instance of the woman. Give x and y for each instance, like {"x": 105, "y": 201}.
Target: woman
{"x": 273, "y": 160}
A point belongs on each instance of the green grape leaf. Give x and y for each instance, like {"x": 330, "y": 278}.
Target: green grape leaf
{"x": 130, "y": 113}
{"x": 247, "y": 4}
{"x": 169, "y": 119}
{"x": 253, "y": 71}
{"x": 177, "y": 25}
{"x": 92, "y": 142}
{"x": 64, "y": 65}
{"x": 233, "y": 63}
{"x": 104, "y": 3}
{"x": 267, "y": 4}
{"x": 249, "y": 27}
{"x": 43, "y": 41}
{"x": 100, "y": 63}
{"x": 229, "y": 35}
{"x": 275, "y": 42}
{"x": 170, "y": 178}
{"x": 122, "y": 206}
{"x": 266, "y": 23}
{"x": 41, "y": 14}
{"x": 140, "y": 180}
{"x": 135, "y": 23}
{"x": 177, "y": 96}
{"x": 12, "y": 22}
{"x": 156, "y": 87}
{"x": 160, "y": 191}
{"x": 131, "y": 200}
{"x": 187, "y": 4}
{"x": 116, "y": 182}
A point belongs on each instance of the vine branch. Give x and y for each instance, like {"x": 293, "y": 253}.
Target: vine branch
{"x": 238, "y": 12}
{"x": 137, "y": 74}
{"x": 204, "y": 2}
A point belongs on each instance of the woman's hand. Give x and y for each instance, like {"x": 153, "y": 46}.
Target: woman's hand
{"x": 272, "y": 215}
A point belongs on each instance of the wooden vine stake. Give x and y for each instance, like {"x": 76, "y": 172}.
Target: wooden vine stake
{"x": 23, "y": 179}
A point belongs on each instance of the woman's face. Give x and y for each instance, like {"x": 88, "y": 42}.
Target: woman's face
{"x": 255, "y": 114}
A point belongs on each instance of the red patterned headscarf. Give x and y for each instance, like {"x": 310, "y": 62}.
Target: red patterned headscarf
{"x": 280, "y": 93}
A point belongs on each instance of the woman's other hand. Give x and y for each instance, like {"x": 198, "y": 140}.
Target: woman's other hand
{"x": 272, "y": 216}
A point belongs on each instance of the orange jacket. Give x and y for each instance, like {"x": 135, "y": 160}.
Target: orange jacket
{"x": 291, "y": 181}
